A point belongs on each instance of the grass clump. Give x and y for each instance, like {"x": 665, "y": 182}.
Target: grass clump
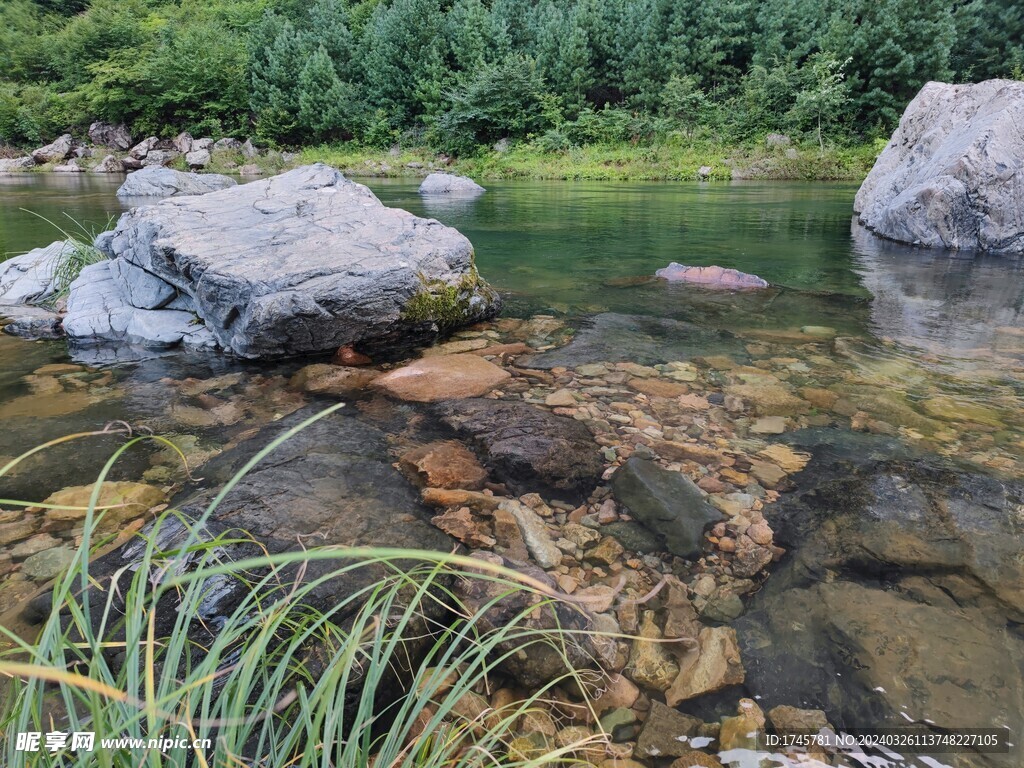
{"x": 77, "y": 254}
{"x": 378, "y": 676}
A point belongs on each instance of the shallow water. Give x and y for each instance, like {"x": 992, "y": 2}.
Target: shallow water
{"x": 927, "y": 347}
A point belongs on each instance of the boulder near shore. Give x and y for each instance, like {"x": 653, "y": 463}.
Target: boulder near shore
{"x": 449, "y": 184}
{"x": 300, "y": 263}
{"x": 952, "y": 175}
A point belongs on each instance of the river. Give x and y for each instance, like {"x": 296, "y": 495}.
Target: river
{"x": 924, "y": 350}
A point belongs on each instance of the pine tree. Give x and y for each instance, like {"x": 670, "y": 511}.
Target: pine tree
{"x": 990, "y": 40}
{"x": 562, "y": 51}
{"x": 403, "y": 62}
{"x": 278, "y": 56}
{"x": 642, "y": 35}
{"x": 328, "y": 107}
{"x": 476, "y": 37}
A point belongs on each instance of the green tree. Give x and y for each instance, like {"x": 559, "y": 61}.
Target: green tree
{"x": 684, "y": 102}
{"x": 328, "y": 107}
{"x": 990, "y": 39}
{"x": 476, "y": 36}
{"x": 277, "y": 56}
{"x": 823, "y": 95}
{"x": 562, "y": 51}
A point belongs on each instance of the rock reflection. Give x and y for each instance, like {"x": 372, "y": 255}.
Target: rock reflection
{"x": 953, "y": 304}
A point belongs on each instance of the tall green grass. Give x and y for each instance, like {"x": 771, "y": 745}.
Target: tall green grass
{"x": 279, "y": 682}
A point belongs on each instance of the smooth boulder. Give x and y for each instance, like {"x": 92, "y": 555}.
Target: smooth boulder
{"x": 952, "y": 175}
{"x": 667, "y": 503}
{"x": 31, "y": 277}
{"x": 449, "y": 184}
{"x": 445, "y": 377}
{"x": 305, "y": 262}
{"x": 155, "y": 181}
{"x": 56, "y": 151}
{"x": 711, "y": 277}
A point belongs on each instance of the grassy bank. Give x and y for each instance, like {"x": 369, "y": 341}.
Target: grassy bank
{"x": 620, "y": 162}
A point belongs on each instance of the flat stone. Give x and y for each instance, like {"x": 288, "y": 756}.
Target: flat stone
{"x": 327, "y": 379}
{"x": 666, "y": 732}
{"x": 769, "y": 425}
{"x": 562, "y": 398}
{"x": 48, "y": 564}
{"x": 444, "y": 464}
{"x": 444, "y": 377}
{"x": 667, "y": 503}
{"x": 713, "y": 666}
{"x": 535, "y": 534}
{"x": 711, "y": 277}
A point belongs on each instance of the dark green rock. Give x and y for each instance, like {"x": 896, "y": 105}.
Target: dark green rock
{"x": 667, "y": 503}
{"x": 620, "y": 724}
{"x": 633, "y": 536}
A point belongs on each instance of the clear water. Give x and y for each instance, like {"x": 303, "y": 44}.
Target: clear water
{"x": 917, "y": 329}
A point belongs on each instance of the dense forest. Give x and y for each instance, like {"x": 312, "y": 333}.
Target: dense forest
{"x": 458, "y": 74}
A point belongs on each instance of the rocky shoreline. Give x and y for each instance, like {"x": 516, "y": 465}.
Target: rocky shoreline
{"x": 657, "y": 496}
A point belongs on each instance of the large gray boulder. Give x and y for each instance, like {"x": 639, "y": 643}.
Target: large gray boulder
{"x": 16, "y": 164}
{"x": 449, "y": 184}
{"x": 952, "y": 176}
{"x": 154, "y": 181}
{"x": 306, "y": 262}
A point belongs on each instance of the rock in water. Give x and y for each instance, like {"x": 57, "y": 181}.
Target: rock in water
{"x": 446, "y": 377}
{"x": 155, "y": 181}
{"x": 712, "y": 277}
{"x": 528, "y": 448}
{"x": 449, "y": 184}
{"x": 306, "y": 261}
{"x": 668, "y": 503}
{"x": 951, "y": 176}
{"x": 29, "y": 278}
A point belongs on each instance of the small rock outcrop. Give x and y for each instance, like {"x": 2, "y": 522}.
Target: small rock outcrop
{"x": 56, "y": 151}
{"x": 711, "y": 277}
{"x": 449, "y": 184}
{"x": 112, "y": 136}
{"x": 952, "y": 175}
{"x": 667, "y": 503}
{"x": 109, "y": 164}
{"x": 165, "y": 182}
{"x": 29, "y": 278}
{"x": 303, "y": 262}
{"x": 16, "y": 164}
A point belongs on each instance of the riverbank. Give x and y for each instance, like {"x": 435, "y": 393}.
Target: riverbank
{"x": 697, "y": 160}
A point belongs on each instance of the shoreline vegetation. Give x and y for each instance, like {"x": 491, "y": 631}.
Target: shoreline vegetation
{"x": 705, "y": 161}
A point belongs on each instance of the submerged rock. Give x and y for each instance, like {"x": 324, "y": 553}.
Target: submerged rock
{"x": 528, "y": 448}
{"x": 449, "y": 184}
{"x": 444, "y": 377}
{"x": 155, "y": 181}
{"x": 951, "y": 175}
{"x": 306, "y": 261}
{"x": 712, "y": 277}
{"x": 667, "y": 503}
{"x": 641, "y": 339}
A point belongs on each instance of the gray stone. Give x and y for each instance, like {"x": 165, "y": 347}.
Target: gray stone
{"x": 112, "y": 136}
{"x": 529, "y": 448}
{"x": 98, "y": 312}
{"x": 140, "y": 288}
{"x": 307, "y": 261}
{"x": 198, "y": 158}
{"x": 535, "y": 534}
{"x": 143, "y": 148}
{"x": 248, "y": 150}
{"x": 183, "y": 142}
{"x": 47, "y": 564}
{"x": 109, "y": 164}
{"x": 952, "y": 175}
{"x": 16, "y": 164}
{"x": 165, "y": 182}
{"x": 160, "y": 157}
{"x": 668, "y": 503}
{"x": 71, "y": 166}
{"x": 54, "y": 152}
{"x": 204, "y": 143}
{"x": 29, "y": 322}
{"x": 29, "y": 278}
{"x": 227, "y": 145}
{"x": 449, "y": 184}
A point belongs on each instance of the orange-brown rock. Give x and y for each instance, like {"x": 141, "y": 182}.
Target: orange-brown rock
{"x": 445, "y": 464}
{"x": 478, "y": 502}
{"x": 658, "y": 387}
{"x": 348, "y": 356}
{"x": 326, "y": 379}
{"x": 444, "y": 377}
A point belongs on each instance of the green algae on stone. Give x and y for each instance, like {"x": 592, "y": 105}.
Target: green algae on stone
{"x": 450, "y": 305}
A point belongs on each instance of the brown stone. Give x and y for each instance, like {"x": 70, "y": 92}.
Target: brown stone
{"x": 443, "y": 497}
{"x": 819, "y": 397}
{"x": 324, "y": 379}
{"x": 508, "y": 536}
{"x": 785, "y": 457}
{"x": 666, "y": 732}
{"x": 694, "y": 759}
{"x": 608, "y": 551}
{"x": 675, "y": 451}
{"x": 348, "y": 356}
{"x": 650, "y": 664}
{"x": 504, "y": 350}
{"x": 787, "y": 719}
{"x": 460, "y": 524}
{"x": 444, "y": 464}
{"x": 745, "y": 730}
{"x": 119, "y": 502}
{"x": 711, "y": 667}
{"x": 445, "y": 377}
